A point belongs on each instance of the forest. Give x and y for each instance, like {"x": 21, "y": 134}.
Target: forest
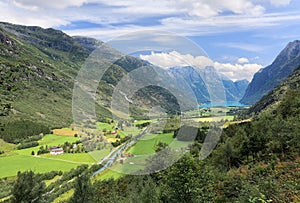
{"x": 255, "y": 161}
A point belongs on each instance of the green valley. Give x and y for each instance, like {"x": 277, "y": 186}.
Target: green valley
{"x": 154, "y": 148}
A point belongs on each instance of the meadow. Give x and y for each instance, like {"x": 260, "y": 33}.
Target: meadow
{"x": 142, "y": 150}
{"x": 9, "y": 166}
{"x": 148, "y": 143}
{"x": 21, "y": 160}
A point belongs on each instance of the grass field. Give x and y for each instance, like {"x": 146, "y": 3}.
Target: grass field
{"x": 53, "y": 140}
{"x": 148, "y": 143}
{"x": 131, "y": 131}
{"x": 107, "y": 174}
{"x": 21, "y": 160}
{"x": 99, "y": 154}
{"x": 6, "y": 147}
{"x": 142, "y": 150}
{"x": 107, "y": 126}
{"x": 9, "y": 166}
{"x": 64, "y": 132}
{"x": 82, "y": 158}
{"x": 50, "y": 140}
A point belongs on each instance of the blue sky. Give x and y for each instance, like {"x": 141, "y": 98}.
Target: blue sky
{"x": 239, "y": 35}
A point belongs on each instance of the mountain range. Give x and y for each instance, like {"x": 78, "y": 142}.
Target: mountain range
{"x": 275, "y": 96}
{"x": 38, "y": 67}
{"x": 233, "y": 90}
{"x": 271, "y": 76}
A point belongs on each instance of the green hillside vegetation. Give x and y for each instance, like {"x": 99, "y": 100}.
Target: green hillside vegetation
{"x": 256, "y": 161}
{"x": 6, "y": 147}
{"x": 38, "y": 67}
{"x": 19, "y": 131}
{"x": 273, "y": 98}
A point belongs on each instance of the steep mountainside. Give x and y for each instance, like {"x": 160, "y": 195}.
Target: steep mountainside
{"x": 274, "y": 97}
{"x": 271, "y": 76}
{"x": 233, "y": 90}
{"x": 40, "y": 65}
{"x": 89, "y": 43}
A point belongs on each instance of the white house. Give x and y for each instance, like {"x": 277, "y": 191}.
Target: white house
{"x": 56, "y": 150}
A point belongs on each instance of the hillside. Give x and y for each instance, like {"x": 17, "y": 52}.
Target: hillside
{"x": 38, "y": 67}
{"x": 271, "y": 99}
{"x": 42, "y": 75}
{"x": 271, "y": 76}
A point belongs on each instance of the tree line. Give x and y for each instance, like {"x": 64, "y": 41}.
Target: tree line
{"x": 18, "y": 131}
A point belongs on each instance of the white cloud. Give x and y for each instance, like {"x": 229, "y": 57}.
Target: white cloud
{"x": 238, "y": 71}
{"x": 199, "y": 8}
{"x": 243, "y": 60}
{"x": 187, "y": 17}
{"x": 230, "y": 22}
{"x": 28, "y": 17}
{"x": 280, "y": 2}
{"x": 232, "y": 71}
{"x": 38, "y": 4}
{"x": 172, "y": 59}
{"x": 197, "y": 27}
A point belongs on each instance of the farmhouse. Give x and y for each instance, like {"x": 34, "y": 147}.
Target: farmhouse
{"x": 56, "y": 150}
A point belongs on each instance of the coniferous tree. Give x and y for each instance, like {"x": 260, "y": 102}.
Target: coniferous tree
{"x": 27, "y": 188}
{"x": 83, "y": 190}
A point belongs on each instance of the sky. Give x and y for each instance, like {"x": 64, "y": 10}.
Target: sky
{"x": 239, "y": 36}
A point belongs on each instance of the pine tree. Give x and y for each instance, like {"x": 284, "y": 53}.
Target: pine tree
{"x": 27, "y": 188}
{"x": 83, "y": 190}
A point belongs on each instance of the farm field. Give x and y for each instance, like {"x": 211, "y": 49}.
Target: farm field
{"x": 64, "y": 132}
{"x": 81, "y": 158}
{"x": 107, "y": 174}
{"x": 147, "y": 144}
{"x": 144, "y": 148}
{"x": 21, "y": 160}
{"x": 49, "y": 140}
{"x": 97, "y": 155}
{"x": 9, "y": 166}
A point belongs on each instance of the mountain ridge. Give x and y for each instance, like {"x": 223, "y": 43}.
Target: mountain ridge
{"x": 233, "y": 90}
{"x": 269, "y": 77}
{"x": 274, "y": 97}
{"x": 42, "y": 65}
